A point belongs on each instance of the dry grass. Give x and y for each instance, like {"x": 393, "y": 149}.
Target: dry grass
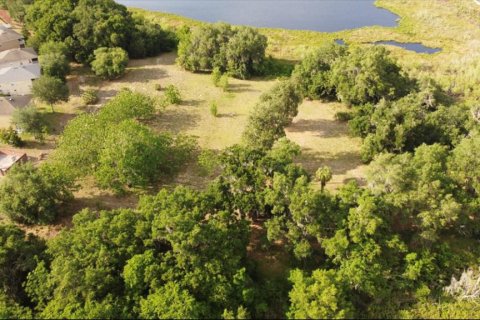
{"x": 325, "y": 141}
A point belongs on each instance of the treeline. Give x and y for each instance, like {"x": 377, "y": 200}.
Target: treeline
{"x": 362, "y": 252}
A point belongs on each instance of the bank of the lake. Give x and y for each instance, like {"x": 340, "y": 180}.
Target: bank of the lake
{"x": 432, "y": 23}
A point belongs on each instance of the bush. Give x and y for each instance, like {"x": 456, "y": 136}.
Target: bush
{"x": 90, "y": 96}
{"x": 10, "y": 136}
{"x": 172, "y": 95}
{"x": 34, "y": 195}
{"x": 208, "y": 161}
{"x": 110, "y": 63}
{"x": 158, "y": 86}
{"x": 214, "y": 109}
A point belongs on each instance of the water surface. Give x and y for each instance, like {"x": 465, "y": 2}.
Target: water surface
{"x": 316, "y": 15}
{"x": 412, "y": 46}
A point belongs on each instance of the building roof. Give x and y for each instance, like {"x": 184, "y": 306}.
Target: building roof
{"x": 7, "y": 34}
{"x": 20, "y": 73}
{"x": 8, "y": 158}
{"x": 9, "y": 104}
{"x": 19, "y": 54}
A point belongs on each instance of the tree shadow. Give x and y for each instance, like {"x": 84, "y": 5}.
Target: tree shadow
{"x": 227, "y": 115}
{"x": 340, "y": 163}
{"x": 321, "y": 127}
{"x": 192, "y": 102}
{"x": 57, "y": 121}
{"x": 174, "y": 120}
{"x": 240, "y": 88}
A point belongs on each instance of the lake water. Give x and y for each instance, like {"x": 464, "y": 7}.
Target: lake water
{"x": 316, "y": 15}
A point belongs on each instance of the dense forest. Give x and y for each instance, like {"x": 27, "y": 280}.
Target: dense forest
{"x": 402, "y": 245}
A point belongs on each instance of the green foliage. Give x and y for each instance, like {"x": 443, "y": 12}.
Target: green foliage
{"x": 223, "y": 82}
{"x": 208, "y": 161}
{"x": 16, "y": 8}
{"x": 90, "y": 96}
{"x": 237, "y": 50}
{"x": 321, "y": 296}
{"x": 442, "y": 310}
{"x": 149, "y": 39}
{"x": 30, "y": 120}
{"x": 132, "y": 155}
{"x": 50, "y": 90}
{"x": 127, "y": 105}
{"x": 86, "y": 25}
{"x": 367, "y": 75}
{"x": 275, "y": 110}
{"x": 323, "y": 174}
{"x": 216, "y": 76}
{"x": 214, "y": 109}
{"x": 109, "y": 63}
{"x": 10, "y": 136}
{"x": 54, "y": 65}
{"x": 172, "y": 95}
{"x": 53, "y": 47}
{"x": 314, "y": 73}
{"x": 34, "y": 195}
{"x": 18, "y": 256}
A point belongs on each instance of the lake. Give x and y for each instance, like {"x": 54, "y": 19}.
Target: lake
{"x": 316, "y": 15}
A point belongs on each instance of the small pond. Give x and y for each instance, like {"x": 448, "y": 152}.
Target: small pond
{"x": 412, "y": 46}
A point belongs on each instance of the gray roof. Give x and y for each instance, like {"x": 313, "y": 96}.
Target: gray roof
{"x": 20, "y": 73}
{"x": 19, "y": 54}
{"x": 7, "y": 34}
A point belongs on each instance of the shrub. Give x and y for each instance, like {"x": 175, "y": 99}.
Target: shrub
{"x": 158, "y": 86}
{"x": 214, "y": 109}
{"x": 90, "y": 96}
{"x": 10, "y": 137}
{"x": 223, "y": 83}
{"x": 55, "y": 65}
{"x": 110, "y": 63}
{"x": 216, "y": 76}
{"x": 208, "y": 161}
{"x": 172, "y": 95}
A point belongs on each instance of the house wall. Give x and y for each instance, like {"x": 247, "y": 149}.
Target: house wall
{"x": 16, "y": 88}
{"x": 12, "y": 44}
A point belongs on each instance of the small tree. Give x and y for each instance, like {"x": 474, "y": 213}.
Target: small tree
{"x": 214, "y": 109}
{"x": 172, "y": 95}
{"x": 50, "y": 90}
{"x": 30, "y": 120}
{"x": 323, "y": 174}
{"x": 34, "y": 195}
{"x": 223, "y": 83}
{"x": 110, "y": 63}
{"x": 55, "y": 65}
{"x": 216, "y": 76}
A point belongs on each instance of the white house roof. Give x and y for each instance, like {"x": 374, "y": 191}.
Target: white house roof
{"x": 7, "y": 34}
{"x": 19, "y": 54}
{"x": 20, "y": 73}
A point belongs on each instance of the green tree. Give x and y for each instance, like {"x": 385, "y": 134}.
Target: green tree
{"x": 34, "y": 195}
{"x": 50, "y": 90}
{"x": 18, "y": 256}
{"x": 30, "y": 120}
{"x": 313, "y": 74}
{"x": 55, "y": 65}
{"x": 10, "y": 136}
{"x": 132, "y": 156}
{"x": 368, "y": 75}
{"x": 110, "y": 63}
{"x": 320, "y": 296}
{"x": 323, "y": 174}
{"x": 275, "y": 111}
